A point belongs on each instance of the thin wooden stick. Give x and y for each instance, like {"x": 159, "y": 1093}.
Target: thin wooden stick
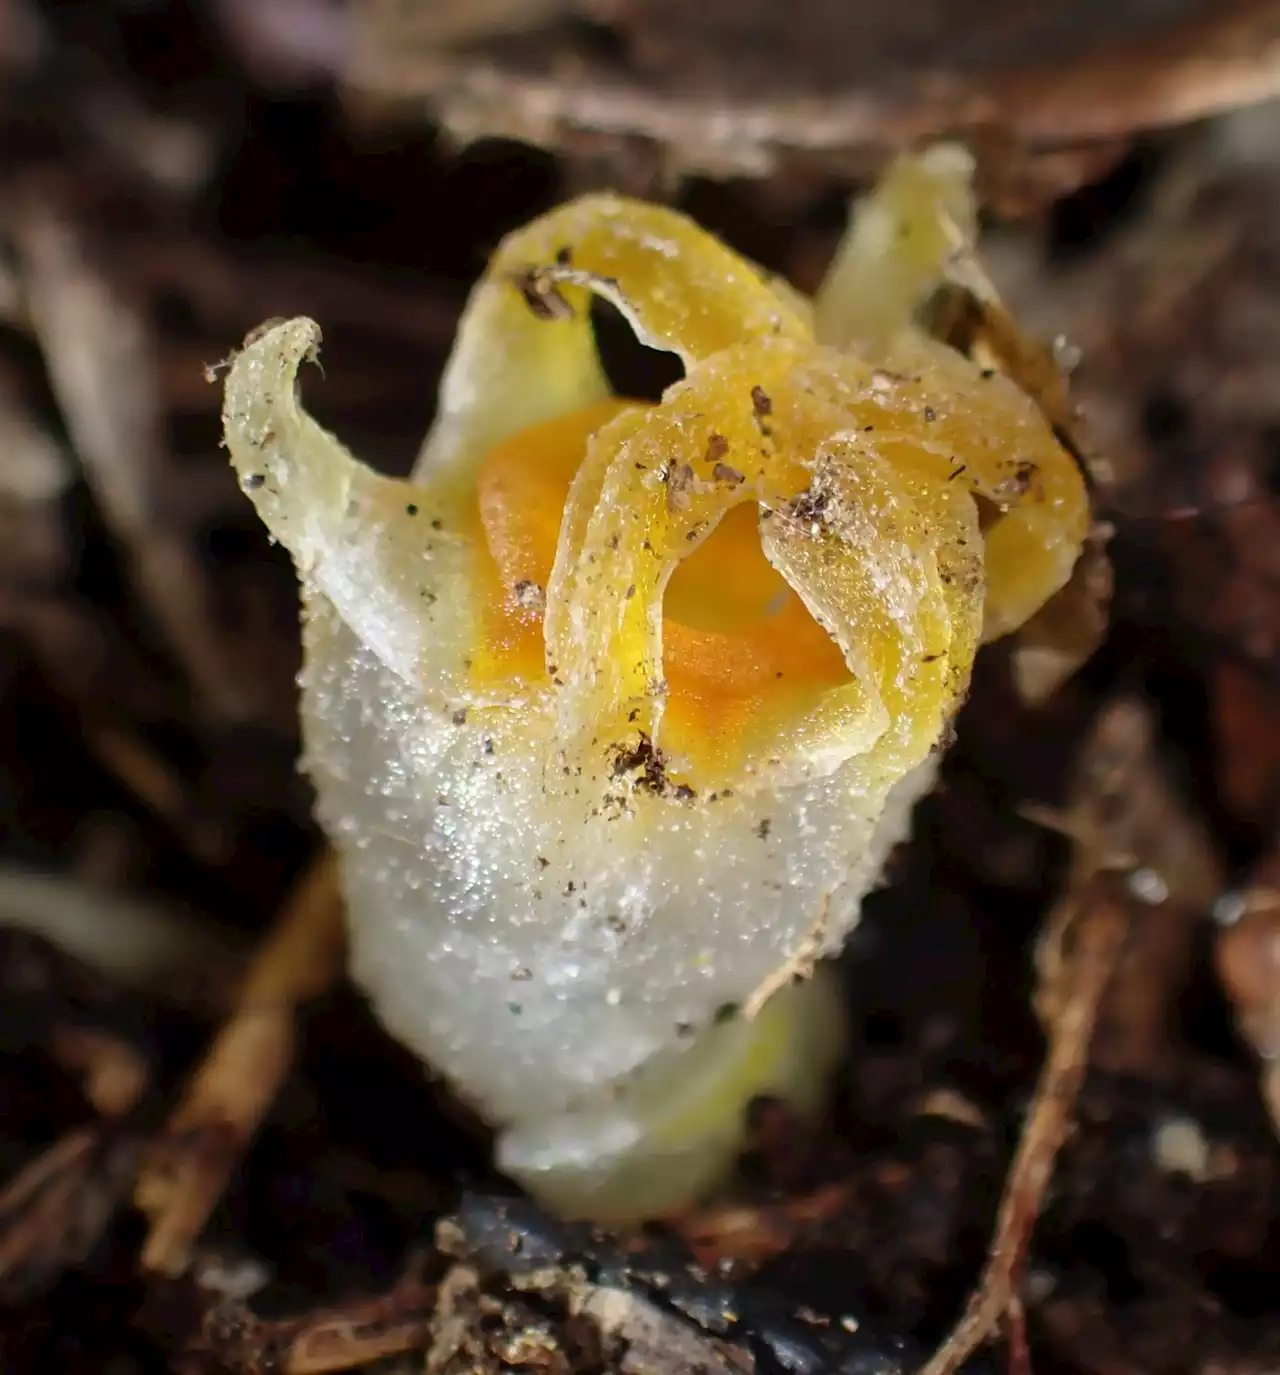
{"x": 1101, "y": 925}
{"x": 234, "y": 1087}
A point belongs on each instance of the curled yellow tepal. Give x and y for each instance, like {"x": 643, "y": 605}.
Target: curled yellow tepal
{"x": 615, "y": 709}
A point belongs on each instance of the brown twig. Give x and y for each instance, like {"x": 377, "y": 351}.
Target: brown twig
{"x": 1247, "y": 954}
{"x": 34, "y": 476}
{"x": 237, "y": 1082}
{"x": 1125, "y": 814}
{"x": 156, "y": 784}
{"x": 331, "y": 1339}
{"x": 101, "y": 364}
{"x": 1101, "y": 921}
{"x": 1125, "y": 822}
{"x": 53, "y": 1212}
{"x": 88, "y": 658}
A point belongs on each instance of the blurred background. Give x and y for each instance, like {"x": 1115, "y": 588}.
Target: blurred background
{"x": 172, "y": 175}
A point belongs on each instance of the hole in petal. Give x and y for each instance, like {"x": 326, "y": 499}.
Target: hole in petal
{"x": 633, "y": 369}
{"x": 727, "y": 584}
{"x": 740, "y": 647}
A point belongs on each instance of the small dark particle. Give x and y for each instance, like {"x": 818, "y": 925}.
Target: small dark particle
{"x": 515, "y": 1008}
{"x": 883, "y": 380}
{"x": 543, "y": 862}
{"x": 956, "y": 472}
{"x": 726, "y": 1012}
{"x": 761, "y": 403}
{"x": 680, "y": 481}
{"x": 564, "y": 256}
{"x": 763, "y": 829}
{"x": 809, "y": 507}
{"x": 437, "y": 525}
{"x": 644, "y": 763}
{"x": 930, "y": 414}
{"x": 488, "y": 745}
{"x": 411, "y": 509}
{"x": 460, "y": 717}
{"x": 530, "y": 595}
{"x": 255, "y": 480}
{"x": 1019, "y": 482}
{"x": 629, "y": 593}
{"x": 646, "y": 759}
{"x": 987, "y": 374}
{"x": 684, "y": 1029}
{"x": 717, "y": 447}
{"x": 722, "y": 472}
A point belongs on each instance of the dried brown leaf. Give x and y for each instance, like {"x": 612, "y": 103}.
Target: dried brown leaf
{"x": 736, "y": 87}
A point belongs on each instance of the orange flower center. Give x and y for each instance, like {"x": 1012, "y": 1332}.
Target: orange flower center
{"x": 739, "y": 646}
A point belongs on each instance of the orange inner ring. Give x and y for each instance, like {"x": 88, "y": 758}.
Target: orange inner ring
{"x": 738, "y": 643}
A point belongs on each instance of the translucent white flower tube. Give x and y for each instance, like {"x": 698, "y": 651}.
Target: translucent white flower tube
{"x": 615, "y": 710}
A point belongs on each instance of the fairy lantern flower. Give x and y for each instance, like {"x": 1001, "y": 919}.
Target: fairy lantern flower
{"x": 614, "y": 709}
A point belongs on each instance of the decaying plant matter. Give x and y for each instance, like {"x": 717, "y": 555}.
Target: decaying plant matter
{"x": 749, "y": 88}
